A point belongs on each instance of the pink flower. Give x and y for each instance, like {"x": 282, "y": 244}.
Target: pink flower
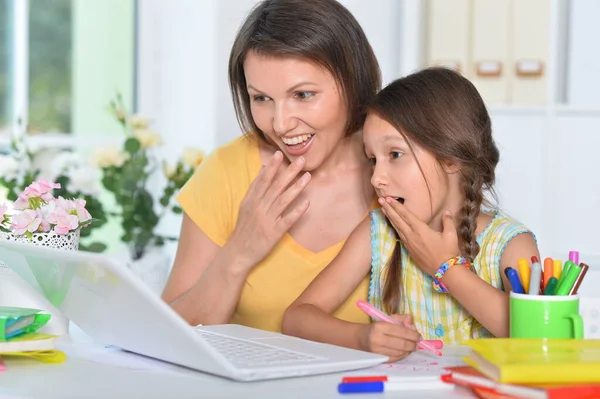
{"x": 21, "y": 203}
{"x": 44, "y": 227}
{"x": 44, "y": 188}
{"x": 82, "y": 213}
{"x": 74, "y": 207}
{"x": 63, "y": 220}
{"x": 28, "y": 220}
{"x": 36, "y": 194}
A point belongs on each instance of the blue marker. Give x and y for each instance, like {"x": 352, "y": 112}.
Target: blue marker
{"x": 515, "y": 282}
{"x": 368, "y": 387}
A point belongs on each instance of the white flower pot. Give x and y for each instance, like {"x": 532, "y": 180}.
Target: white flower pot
{"x": 69, "y": 241}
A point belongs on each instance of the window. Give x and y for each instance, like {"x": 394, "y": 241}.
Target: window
{"x": 61, "y": 61}
{"x": 5, "y": 73}
{"x": 50, "y": 50}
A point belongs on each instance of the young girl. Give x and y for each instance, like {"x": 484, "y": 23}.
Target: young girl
{"x": 429, "y": 138}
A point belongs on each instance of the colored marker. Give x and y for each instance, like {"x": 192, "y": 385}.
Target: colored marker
{"x": 584, "y": 269}
{"x": 513, "y": 278}
{"x": 534, "y": 280}
{"x": 436, "y": 343}
{"x": 371, "y": 387}
{"x": 557, "y": 268}
{"x": 525, "y": 273}
{"x": 551, "y": 286}
{"x": 534, "y": 259}
{"x": 548, "y": 271}
{"x": 565, "y": 286}
{"x": 380, "y": 316}
{"x": 376, "y": 378}
{"x": 565, "y": 272}
{"x": 574, "y": 257}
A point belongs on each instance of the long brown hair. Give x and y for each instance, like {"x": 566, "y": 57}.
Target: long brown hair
{"x": 442, "y": 112}
{"x": 320, "y": 31}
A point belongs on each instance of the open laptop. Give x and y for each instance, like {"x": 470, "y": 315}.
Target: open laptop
{"x": 110, "y": 304}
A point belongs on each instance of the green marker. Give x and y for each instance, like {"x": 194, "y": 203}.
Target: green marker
{"x": 565, "y": 287}
{"x": 551, "y": 286}
{"x": 565, "y": 271}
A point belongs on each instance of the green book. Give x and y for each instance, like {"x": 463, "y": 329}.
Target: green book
{"x": 15, "y": 321}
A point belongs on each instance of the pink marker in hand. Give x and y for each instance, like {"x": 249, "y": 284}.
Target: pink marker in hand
{"x": 380, "y": 316}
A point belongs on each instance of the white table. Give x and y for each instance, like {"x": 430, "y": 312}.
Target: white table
{"x": 81, "y": 378}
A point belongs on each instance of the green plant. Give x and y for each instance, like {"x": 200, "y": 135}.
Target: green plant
{"x": 127, "y": 171}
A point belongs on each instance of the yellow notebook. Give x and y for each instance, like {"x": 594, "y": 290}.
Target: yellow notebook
{"x": 529, "y": 361}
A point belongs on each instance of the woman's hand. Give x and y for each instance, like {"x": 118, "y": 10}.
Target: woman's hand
{"x": 266, "y": 213}
{"x": 391, "y": 340}
{"x": 429, "y": 248}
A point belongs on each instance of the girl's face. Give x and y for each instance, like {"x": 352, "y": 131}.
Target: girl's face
{"x": 298, "y": 106}
{"x": 396, "y": 172}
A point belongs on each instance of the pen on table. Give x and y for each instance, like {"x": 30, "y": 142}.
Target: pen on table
{"x": 525, "y": 273}
{"x": 534, "y": 279}
{"x": 380, "y": 316}
{"x": 579, "y": 280}
{"x": 565, "y": 286}
{"x": 513, "y": 278}
{"x": 380, "y": 378}
{"x": 548, "y": 271}
{"x": 551, "y": 287}
{"x": 557, "y": 268}
{"x": 371, "y": 386}
{"x": 574, "y": 257}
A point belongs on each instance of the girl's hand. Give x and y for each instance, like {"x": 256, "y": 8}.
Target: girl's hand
{"x": 429, "y": 248}
{"x": 266, "y": 213}
{"x": 389, "y": 339}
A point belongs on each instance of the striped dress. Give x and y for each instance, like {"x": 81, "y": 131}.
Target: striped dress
{"x": 438, "y": 315}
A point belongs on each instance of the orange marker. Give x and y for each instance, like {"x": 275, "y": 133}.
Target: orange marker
{"x": 548, "y": 270}
{"x": 557, "y": 268}
{"x": 524, "y": 273}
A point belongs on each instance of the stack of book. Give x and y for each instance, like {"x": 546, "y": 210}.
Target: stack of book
{"x": 530, "y": 368}
{"x": 19, "y": 335}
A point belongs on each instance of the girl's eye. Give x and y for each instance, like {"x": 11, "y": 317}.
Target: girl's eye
{"x": 372, "y": 161}
{"x": 304, "y": 95}
{"x": 395, "y": 154}
{"x": 259, "y": 99}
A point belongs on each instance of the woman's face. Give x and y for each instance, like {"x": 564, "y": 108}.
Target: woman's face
{"x": 298, "y": 105}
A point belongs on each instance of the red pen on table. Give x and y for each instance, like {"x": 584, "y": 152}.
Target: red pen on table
{"x": 380, "y": 316}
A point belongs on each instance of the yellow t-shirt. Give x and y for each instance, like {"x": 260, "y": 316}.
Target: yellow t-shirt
{"x": 212, "y": 198}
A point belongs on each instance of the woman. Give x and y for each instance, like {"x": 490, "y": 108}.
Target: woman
{"x": 267, "y": 212}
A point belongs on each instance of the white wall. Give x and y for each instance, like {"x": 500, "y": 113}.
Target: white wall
{"x": 548, "y": 173}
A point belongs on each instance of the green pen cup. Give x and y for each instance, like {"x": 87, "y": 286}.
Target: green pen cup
{"x": 545, "y": 316}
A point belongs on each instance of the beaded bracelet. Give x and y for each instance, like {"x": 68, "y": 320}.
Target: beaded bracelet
{"x": 438, "y": 286}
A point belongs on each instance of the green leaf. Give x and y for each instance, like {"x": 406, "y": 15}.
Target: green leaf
{"x": 177, "y": 210}
{"x": 93, "y": 247}
{"x": 132, "y": 145}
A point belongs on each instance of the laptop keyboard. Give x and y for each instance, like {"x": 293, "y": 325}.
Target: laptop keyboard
{"x": 244, "y": 353}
